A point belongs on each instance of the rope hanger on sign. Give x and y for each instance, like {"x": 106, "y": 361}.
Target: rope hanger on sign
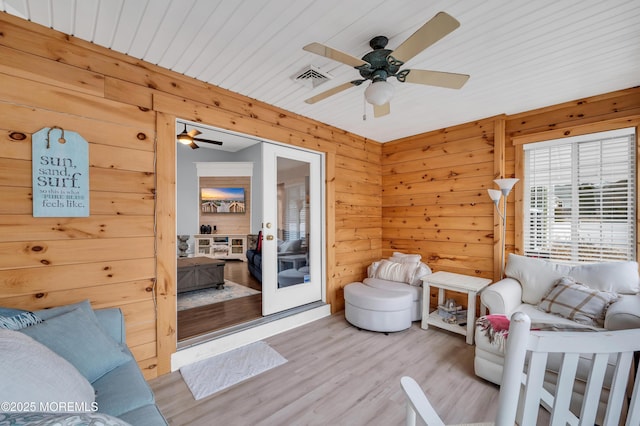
{"x": 61, "y": 139}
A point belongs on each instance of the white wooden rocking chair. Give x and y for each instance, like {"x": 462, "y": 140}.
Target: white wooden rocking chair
{"x": 522, "y": 392}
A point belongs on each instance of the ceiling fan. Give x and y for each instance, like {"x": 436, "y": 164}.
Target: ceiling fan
{"x": 189, "y": 138}
{"x": 380, "y": 64}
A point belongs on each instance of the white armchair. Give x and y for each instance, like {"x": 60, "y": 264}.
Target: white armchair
{"x": 523, "y": 390}
{"x": 535, "y": 287}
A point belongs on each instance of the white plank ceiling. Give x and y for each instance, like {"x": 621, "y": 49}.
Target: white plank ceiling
{"x": 521, "y": 54}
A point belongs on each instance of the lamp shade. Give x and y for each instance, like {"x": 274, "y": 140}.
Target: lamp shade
{"x": 379, "y": 92}
{"x": 506, "y": 185}
{"x": 494, "y": 194}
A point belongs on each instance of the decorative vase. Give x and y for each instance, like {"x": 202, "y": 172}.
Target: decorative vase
{"x": 183, "y": 246}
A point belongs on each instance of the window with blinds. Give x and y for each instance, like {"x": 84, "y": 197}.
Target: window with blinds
{"x": 580, "y": 198}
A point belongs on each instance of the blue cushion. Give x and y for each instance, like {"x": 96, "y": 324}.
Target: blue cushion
{"x": 122, "y": 389}
{"x": 79, "y": 340}
{"x": 9, "y": 312}
{"x": 147, "y": 415}
{"x": 85, "y": 306}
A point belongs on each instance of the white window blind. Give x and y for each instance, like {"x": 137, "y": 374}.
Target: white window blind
{"x": 580, "y": 198}
{"x": 295, "y": 221}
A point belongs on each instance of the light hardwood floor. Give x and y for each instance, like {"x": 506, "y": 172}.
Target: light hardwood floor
{"x": 339, "y": 375}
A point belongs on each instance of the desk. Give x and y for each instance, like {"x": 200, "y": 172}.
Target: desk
{"x": 472, "y": 286}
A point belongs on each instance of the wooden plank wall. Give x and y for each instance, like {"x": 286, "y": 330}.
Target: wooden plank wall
{"x": 424, "y": 194}
{"x": 435, "y": 199}
{"x": 434, "y": 184}
{"x": 126, "y": 109}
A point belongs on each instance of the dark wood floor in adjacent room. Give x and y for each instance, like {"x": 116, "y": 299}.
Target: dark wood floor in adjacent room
{"x": 206, "y": 319}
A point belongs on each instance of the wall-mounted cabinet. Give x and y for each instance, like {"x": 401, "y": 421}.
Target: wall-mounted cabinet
{"x": 221, "y": 246}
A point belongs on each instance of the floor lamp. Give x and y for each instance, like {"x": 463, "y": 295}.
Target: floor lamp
{"x": 505, "y": 188}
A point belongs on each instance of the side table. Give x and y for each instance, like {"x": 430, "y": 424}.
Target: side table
{"x": 472, "y": 286}
{"x": 296, "y": 260}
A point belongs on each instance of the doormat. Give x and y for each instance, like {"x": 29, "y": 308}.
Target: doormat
{"x": 208, "y": 296}
{"x": 214, "y": 374}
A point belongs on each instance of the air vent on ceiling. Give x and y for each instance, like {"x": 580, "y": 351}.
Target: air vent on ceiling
{"x": 311, "y": 76}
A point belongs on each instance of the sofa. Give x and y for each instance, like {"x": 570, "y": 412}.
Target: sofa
{"x": 585, "y": 297}
{"x": 71, "y": 364}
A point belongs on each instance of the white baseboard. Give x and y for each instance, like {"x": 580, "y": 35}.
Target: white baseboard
{"x": 232, "y": 341}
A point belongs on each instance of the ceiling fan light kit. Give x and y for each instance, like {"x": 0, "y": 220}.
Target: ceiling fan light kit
{"x": 380, "y": 64}
{"x": 184, "y": 139}
{"x": 379, "y": 92}
{"x": 189, "y": 138}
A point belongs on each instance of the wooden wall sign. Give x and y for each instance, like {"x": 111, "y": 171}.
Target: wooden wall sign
{"x": 60, "y": 168}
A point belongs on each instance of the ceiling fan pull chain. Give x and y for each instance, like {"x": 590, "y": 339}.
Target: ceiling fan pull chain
{"x": 364, "y": 109}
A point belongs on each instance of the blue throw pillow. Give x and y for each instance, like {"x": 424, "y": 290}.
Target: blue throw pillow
{"x": 79, "y": 340}
{"x": 85, "y": 306}
{"x": 9, "y": 312}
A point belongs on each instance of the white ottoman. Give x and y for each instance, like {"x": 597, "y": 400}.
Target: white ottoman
{"x": 377, "y": 309}
{"x": 290, "y": 277}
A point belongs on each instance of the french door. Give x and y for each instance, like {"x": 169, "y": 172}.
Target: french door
{"x": 292, "y": 228}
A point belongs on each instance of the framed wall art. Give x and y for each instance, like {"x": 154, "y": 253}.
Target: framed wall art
{"x": 222, "y": 200}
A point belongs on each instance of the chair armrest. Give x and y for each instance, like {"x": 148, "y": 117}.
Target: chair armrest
{"x": 624, "y": 313}
{"x": 418, "y": 405}
{"x": 502, "y": 297}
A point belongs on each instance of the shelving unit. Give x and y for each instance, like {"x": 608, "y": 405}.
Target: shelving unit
{"x": 221, "y": 246}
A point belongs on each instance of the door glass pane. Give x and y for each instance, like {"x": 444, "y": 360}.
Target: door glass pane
{"x": 293, "y": 219}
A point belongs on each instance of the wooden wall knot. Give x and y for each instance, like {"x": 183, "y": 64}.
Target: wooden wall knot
{"x": 39, "y": 295}
{"x": 17, "y": 136}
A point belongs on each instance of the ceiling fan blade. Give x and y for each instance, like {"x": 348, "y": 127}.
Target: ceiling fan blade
{"x": 193, "y": 132}
{"x": 208, "y": 141}
{"x": 336, "y": 55}
{"x": 437, "y": 78}
{"x": 435, "y": 29}
{"x": 193, "y": 145}
{"x": 330, "y": 92}
{"x": 381, "y": 110}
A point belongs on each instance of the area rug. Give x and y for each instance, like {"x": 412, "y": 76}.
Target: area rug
{"x": 207, "y": 296}
{"x": 214, "y": 374}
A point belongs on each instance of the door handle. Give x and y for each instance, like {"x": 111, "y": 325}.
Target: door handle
{"x": 269, "y": 237}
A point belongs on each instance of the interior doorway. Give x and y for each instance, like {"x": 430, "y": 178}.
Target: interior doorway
{"x": 204, "y": 321}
